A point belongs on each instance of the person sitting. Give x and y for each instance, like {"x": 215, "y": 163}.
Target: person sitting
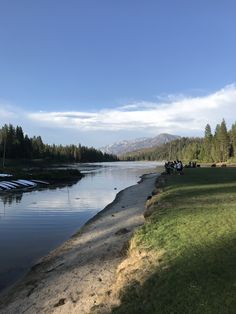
{"x": 179, "y": 167}
{"x": 167, "y": 167}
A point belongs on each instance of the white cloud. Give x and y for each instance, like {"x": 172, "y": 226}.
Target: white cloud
{"x": 7, "y": 112}
{"x": 177, "y": 115}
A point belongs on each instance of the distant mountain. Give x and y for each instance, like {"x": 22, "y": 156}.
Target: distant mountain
{"x": 122, "y": 147}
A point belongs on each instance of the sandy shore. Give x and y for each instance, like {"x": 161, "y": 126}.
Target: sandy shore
{"x": 75, "y": 276}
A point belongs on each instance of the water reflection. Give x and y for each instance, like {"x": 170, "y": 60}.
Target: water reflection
{"x": 9, "y": 198}
{"x": 34, "y": 222}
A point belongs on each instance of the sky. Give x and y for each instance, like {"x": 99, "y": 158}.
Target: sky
{"x": 94, "y": 72}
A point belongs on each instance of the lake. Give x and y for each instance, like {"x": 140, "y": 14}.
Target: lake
{"x": 33, "y": 223}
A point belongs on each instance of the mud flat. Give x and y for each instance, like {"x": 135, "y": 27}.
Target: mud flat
{"x": 79, "y": 273}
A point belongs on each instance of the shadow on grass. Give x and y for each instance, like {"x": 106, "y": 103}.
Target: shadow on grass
{"x": 196, "y": 194}
{"x": 194, "y": 221}
{"x": 199, "y": 187}
{"x": 202, "y": 281}
{"x": 203, "y": 176}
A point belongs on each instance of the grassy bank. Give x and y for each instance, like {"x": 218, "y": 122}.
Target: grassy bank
{"x": 191, "y": 239}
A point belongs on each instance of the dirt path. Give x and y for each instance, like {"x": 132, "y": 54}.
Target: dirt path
{"x": 72, "y": 278}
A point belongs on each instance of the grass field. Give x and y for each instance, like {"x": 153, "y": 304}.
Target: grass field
{"x": 194, "y": 224}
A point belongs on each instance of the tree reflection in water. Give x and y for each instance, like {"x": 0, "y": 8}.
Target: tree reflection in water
{"x": 9, "y": 198}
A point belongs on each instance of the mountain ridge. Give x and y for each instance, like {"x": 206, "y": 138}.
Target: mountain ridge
{"x": 127, "y": 146}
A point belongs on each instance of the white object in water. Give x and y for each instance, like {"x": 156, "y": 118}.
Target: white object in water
{"x": 4, "y": 186}
{"x": 40, "y": 181}
{"x": 20, "y": 183}
{"x": 26, "y": 182}
{"x": 10, "y": 184}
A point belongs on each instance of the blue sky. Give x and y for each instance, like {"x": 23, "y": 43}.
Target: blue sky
{"x": 66, "y": 67}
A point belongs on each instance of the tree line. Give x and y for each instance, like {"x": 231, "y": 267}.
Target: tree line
{"x": 14, "y": 144}
{"x": 219, "y": 146}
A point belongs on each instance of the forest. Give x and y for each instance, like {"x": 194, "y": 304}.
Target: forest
{"x": 14, "y": 144}
{"x": 219, "y": 146}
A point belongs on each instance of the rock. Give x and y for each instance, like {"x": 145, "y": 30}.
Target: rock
{"x": 60, "y": 302}
{"x": 122, "y": 231}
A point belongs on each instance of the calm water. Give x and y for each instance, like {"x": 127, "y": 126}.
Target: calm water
{"x": 33, "y": 223}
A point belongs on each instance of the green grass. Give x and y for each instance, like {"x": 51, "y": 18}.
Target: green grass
{"x": 194, "y": 222}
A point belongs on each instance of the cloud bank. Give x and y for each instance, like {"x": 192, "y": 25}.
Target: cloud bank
{"x": 177, "y": 115}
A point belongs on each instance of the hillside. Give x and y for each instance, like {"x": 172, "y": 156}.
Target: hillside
{"x": 217, "y": 147}
{"x": 184, "y": 148}
{"x": 126, "y": 146}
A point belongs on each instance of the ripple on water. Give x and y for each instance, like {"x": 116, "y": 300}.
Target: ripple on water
{"x": 33, "y": 223}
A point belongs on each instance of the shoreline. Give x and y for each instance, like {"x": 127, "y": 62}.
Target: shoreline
{"x": 62, "y": 281}
{"x": 110, "y": 205}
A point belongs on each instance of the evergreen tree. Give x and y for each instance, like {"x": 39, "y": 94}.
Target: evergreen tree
{"x": 232, "y": 135}
{"x": 216, "y": 154}
{"x": 207, "y": 145}
{"x": 14, "y": 144}
{"x": 224, "y": 142}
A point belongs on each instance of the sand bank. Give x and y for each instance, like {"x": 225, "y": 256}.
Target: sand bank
{"x": 76, "y": 275}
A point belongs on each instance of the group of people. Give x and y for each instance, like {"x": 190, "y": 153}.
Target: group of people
{"x": 174, "y": 166}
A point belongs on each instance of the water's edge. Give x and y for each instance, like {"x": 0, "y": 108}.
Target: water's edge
{"x": 11, "y": 289}
{"x": 108, "y": 206}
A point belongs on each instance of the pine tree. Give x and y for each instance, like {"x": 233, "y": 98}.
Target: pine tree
{"x": 207, "y": 144}
{"x": 232, "y": 134}
{"x": 224, "y": 142}
{"x": 215, "y": 151}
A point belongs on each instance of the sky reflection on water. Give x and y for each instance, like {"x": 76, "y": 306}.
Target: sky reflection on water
{"x": 33, "y": 223}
